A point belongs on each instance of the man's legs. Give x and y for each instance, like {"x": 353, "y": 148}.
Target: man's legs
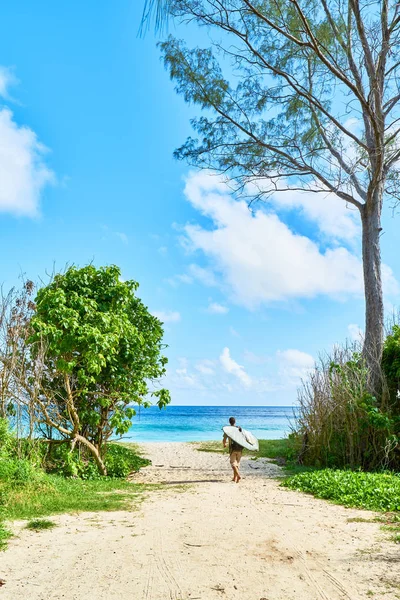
{"x": 234, "y": 473}
{"x": 235, "y": 461}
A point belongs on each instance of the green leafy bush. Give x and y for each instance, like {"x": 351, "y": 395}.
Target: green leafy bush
{"x": 119, "y": 460}
{"x": 391, "y": 364}
{"x": 62, "y": 460}
{"x": 373, "y": 491}
{"x": 17, "y": 471}
{"x": 103, "y": 346}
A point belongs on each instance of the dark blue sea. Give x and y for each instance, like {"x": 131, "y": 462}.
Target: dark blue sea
{"x": 201, "y": 423}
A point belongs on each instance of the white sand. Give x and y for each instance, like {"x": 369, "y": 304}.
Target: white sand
{"x": 210, "y": 540}
{"x": 179, "y": 462}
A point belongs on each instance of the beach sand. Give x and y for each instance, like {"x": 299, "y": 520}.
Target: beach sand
{"x": 198, "y": 536}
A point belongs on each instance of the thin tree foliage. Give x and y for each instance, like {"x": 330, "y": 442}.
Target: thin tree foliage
{"x": 155, "y": 12}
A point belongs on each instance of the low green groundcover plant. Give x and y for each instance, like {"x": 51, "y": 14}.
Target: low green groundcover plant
{"x": 372, "y": 491}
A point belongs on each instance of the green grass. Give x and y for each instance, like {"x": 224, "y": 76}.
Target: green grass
{"x": 56, "y": 494}
{"x": 39, "y": 524}
{"x": 268, "y": 448}
{"x": 372, "y": 491}
{"x": 211, "y": 447}
{"x": 390, "y": 524}
{"x": 275, "y": 448}
{"x": 5, "y": 534}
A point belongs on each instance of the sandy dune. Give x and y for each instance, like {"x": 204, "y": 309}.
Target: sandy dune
{"x": 210, "y": 540}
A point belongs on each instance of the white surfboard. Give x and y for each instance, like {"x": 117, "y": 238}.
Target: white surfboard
{"x": 244, "y": 438}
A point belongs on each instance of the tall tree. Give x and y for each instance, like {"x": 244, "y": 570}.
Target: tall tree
{"x": 95, "y": 350}
{"x": 299, "y": 95}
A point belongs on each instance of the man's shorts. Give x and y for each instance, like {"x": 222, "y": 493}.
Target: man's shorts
{"x": 235, "y": 458}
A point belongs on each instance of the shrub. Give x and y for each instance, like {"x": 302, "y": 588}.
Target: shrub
{"x": 17, "y": 471}
{"x": 62, "y": 460}
{"x": 341, "y": 423}
{"x": 94, "y": 348}
{"x": 119, "y": 460}
{"x": 391, "y": 364}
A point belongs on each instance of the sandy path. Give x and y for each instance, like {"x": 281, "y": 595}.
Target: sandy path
{"x": 211, "y": 540}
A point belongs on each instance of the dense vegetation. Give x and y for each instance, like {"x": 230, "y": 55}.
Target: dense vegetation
{"x": 340, "y": 423}
{"x": 373, "y": 491}
{"x": 347, "y": 435}
{"x": 76, "y": 357}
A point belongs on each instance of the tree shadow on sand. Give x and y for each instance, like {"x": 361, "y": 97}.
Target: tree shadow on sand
{"x": 192, "y": 481}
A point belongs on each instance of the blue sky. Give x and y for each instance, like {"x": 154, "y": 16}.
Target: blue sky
{"x": 88, "y": 123}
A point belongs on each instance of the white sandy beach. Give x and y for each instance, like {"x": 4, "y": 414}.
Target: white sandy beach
{"x": 200, "y": 537}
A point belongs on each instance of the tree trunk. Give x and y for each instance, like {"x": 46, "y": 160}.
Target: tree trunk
{"x": 94, "y": 451}
{"x": 374, "y": 312}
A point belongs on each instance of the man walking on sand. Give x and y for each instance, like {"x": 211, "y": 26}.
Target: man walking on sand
{"x": 235, "y": 452}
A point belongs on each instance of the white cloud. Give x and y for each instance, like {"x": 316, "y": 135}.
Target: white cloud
{"x": 233, "y": 332}
{"x": 23, "y": 173}
{"x": 231, "y": 366}
{"x": 355, "y": 332}
{"x": 205, "y": 367}
{"x": 167, "y": 316}
{"x": 255, "y": 358}
{"x": 109, "y": 233}
{"x": 195, "y": 273}
{"x": 389, "y": 283}
{"x": 295, "y": 364}
{"x": 213, "y": 378}
{"x": 217, "y": 309}
{"x": 257, "y": 258}
{"x": 185, "y": 278}
{"x": 332, "y": 216}
{"x": 178, "y": 279}
{"x": 205, "y": 276}
{"x": 183, "y": 379}
{"x": 122, "y": 236}
{"x": 7, "y": 79}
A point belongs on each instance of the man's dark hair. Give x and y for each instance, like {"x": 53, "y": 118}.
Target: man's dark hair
{"x": 232, "y": 420}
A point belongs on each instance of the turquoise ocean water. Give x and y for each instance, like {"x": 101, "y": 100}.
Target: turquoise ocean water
{"x": 201, "y": 423}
